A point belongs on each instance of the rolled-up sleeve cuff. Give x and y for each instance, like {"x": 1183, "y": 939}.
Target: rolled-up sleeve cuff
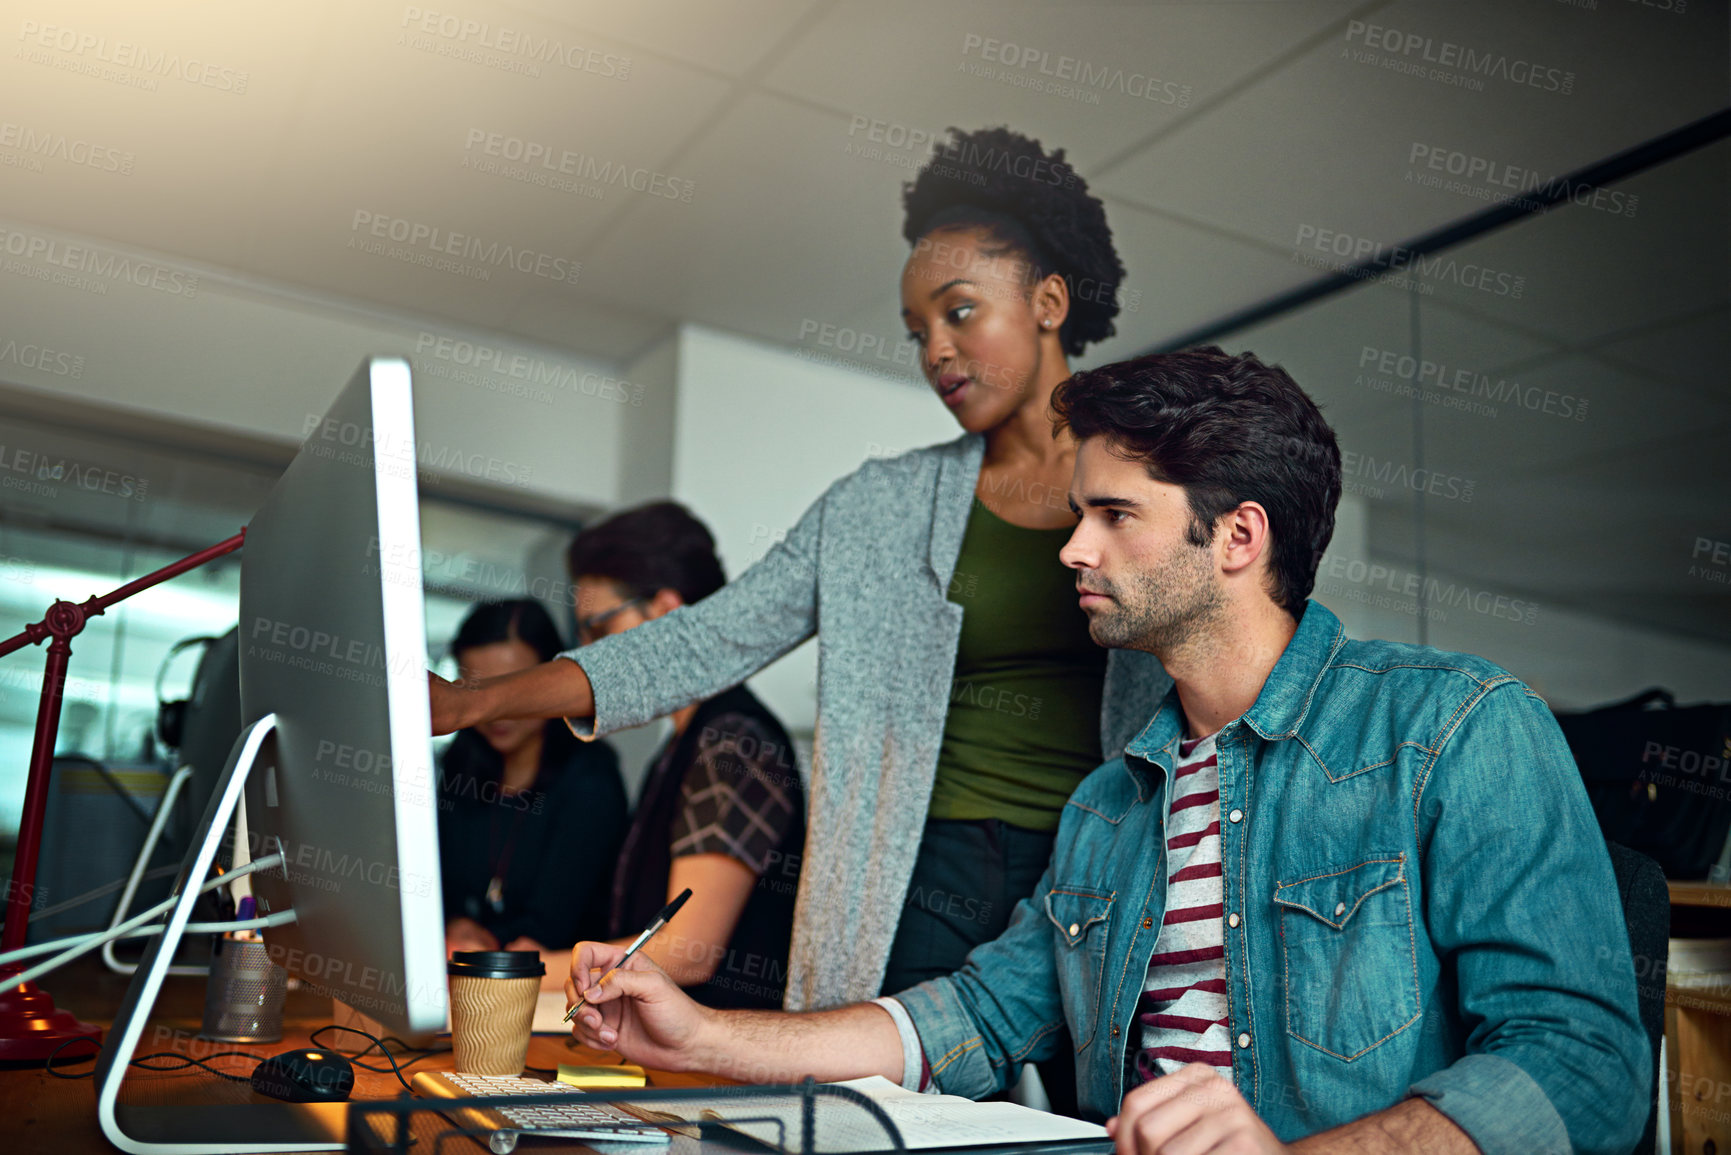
{"x": 1500, "y": 1107}
{"x": 913, "y": 1059}
{"x": 950, "y": 1039}
{"x": 589, "y": 729}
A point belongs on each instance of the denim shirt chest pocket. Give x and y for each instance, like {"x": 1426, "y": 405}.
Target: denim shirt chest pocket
{"x": 1080, "y": 918}
{"x": 1350, "y": 966}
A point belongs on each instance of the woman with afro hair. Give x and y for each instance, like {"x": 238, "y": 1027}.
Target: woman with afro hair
{"x": 960, "y": 698}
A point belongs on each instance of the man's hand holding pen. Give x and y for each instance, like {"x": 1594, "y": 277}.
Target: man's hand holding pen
{"x": 638, "y": 1011}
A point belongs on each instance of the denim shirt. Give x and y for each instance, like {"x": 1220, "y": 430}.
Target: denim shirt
{"x": 1424, "y": 905}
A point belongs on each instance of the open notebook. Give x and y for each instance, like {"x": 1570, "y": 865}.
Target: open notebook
{"x": 925, "y": 1121}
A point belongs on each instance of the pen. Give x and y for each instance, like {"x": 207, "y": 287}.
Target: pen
{"x": 667, "y": 912}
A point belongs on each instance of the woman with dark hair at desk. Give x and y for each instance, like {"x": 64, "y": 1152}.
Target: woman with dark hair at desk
{"x": 529, "y": 818}
{"x": 722, "y": 810}
{"x": 959, "y": 696}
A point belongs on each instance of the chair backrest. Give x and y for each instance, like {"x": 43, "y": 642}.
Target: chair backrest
{"x": 1647, "y": 916}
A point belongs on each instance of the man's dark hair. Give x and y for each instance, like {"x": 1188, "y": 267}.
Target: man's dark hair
{"x": 1228, "y": 429}
{"x": 1030, "y": 202}
{"x": 653, "y": 547}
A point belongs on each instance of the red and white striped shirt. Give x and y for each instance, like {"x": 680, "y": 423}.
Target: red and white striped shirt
{"x": 1183, "y": 1004}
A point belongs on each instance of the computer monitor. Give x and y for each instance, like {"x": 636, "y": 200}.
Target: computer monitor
{"x": 335, "y": 763}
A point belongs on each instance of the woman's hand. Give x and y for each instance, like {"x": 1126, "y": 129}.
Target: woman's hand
{"x": 467, "y": 934}
{"x": 555, "y": 961}
{"x": 639, "y": 1012}
{"x": 449, "y": 701}
{"x": 556, "y": 689}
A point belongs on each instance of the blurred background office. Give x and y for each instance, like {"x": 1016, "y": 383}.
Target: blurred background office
{"x": 630, "y": 245}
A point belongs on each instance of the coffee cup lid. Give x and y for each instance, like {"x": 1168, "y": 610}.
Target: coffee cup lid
{"x": 496, "y": 964}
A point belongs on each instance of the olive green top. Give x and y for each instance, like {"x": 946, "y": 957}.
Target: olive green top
{"x": 1023, "y": 726}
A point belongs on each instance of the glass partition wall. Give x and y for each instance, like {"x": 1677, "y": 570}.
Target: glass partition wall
{"x": 82, "y": 513}
{"x": 1533, "y": 429}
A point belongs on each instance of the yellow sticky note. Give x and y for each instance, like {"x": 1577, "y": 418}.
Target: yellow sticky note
{"x": 623, "y": 1075}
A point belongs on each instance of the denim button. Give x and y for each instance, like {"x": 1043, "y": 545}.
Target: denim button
{"x": 1235, "y": 816}
{"x": 1243, "y": 1041}
{"x": 1232, "y": 919}
{"x": 1146, "y": 923}
{"x": 1339, "y": 909}
{"x": 1075, "y": 929}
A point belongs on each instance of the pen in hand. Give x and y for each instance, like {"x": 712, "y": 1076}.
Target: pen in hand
{"x": 667, "y": 912}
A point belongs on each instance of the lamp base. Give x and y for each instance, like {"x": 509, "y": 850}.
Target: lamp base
{"x": 31, "y": 1027}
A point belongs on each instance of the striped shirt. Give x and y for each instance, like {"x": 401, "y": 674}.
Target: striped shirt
{"x": 1183, "y": 1006}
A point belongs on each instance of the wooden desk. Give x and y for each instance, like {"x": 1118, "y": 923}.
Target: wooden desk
{"x": 1698, "y": 1030}
{"x": 44, "y": 1114}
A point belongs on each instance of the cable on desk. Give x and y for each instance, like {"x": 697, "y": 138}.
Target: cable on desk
{"x": 184, "y": 1062}
{"x": 377, "y": 1042}
{"x": 402, "y": 1045}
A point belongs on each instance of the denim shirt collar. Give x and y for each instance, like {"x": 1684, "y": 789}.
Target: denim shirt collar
{"x": 1280, "y": 707}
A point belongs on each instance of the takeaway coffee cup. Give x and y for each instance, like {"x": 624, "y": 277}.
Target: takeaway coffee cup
{"x": 493, "y": 996}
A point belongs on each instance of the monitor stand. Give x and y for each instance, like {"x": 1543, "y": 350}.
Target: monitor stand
{"x": 214, "y": 1128}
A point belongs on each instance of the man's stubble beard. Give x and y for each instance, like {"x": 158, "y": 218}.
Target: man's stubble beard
{"x": 1163, "y": 609}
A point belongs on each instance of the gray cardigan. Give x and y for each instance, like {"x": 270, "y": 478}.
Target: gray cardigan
{"x": 866, "y": 569}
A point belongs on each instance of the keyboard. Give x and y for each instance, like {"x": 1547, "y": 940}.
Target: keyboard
{"x": 565, "y": 1114}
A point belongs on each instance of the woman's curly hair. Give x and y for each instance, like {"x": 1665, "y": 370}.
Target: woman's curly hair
{"x": 1027, "y": 200}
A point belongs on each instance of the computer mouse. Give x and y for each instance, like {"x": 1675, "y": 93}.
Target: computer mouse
{"x": 309, "y": 1075}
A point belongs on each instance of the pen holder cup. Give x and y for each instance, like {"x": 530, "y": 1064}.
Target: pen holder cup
{"x": 244, "y": 995}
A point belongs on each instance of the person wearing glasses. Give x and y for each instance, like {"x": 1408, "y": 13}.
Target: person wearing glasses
{"x": 722, "y": 809}
{"x": 959, "y": 698}
{"x": 529, "y": 817}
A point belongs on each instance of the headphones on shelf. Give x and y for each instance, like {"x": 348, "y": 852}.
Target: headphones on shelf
{"x": 171, "y": 716}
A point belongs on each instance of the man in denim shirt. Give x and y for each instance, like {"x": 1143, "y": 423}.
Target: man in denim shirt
{"x": 1417, "y": 942}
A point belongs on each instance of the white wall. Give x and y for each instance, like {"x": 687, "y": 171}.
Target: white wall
{"x": 215, "y": 350}
{"x": 760, "y": 433}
